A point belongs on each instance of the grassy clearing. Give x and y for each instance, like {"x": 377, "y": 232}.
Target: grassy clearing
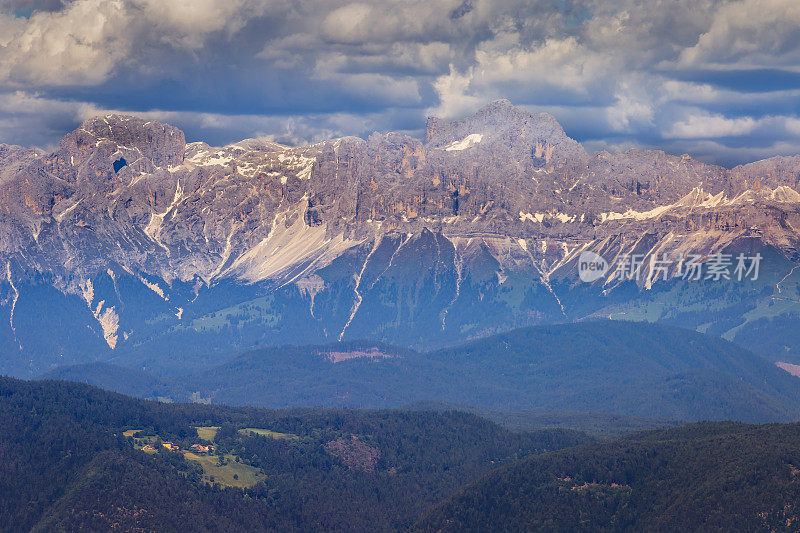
{"x": 208, "y": 433}
{"x": 256, "y": 310}
{"x": 268, "y": 433}
{"x": 229, "y": 474}
{"x": 771, "y": 308}
{"x": 140, "y": 443}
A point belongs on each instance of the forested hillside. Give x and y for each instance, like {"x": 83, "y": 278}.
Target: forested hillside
{"x": 702, "y": 477}
{"x": 74, "y": 457}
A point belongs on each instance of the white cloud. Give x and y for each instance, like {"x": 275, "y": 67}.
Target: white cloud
{"x": 793, "y": 126}
{"x": 79, "y": 45}
{"x": 634, "y": 106}
{"x": 553, "y": 66}
{"x": 348, "y": 23}
{"x": 390, "y": 21}
{"x": 689, "y": 92}
{"x": 85, "y": 42}
{"x": 749, "y": 34}
{"x": 187, "y": 23}
{"x": 563, "y": 63}
{"x": 614, "y": 72}
{"x": 705, "y": 125}
{"x": 398, "y": 91}
{"x": 453, "y": 98}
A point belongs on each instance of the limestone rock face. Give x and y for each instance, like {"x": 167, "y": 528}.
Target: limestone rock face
{"x": 389, "y": 237}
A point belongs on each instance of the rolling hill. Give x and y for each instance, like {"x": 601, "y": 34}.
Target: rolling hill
{"x": 76, "y": 458}
{"x": 633, "y": 369}
{"x": 703, "y": 477}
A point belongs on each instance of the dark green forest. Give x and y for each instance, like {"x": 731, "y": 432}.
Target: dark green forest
{"x": 66, "y": 463}
{"x": 701, "y": 477}
{"x": 74, "y": 457}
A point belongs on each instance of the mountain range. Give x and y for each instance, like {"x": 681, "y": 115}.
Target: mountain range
{"x": 127, "y": 244}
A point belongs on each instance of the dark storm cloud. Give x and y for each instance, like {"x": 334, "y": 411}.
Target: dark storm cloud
{"x": 27, "y": 7}
{"x": 720, "y": 75}
{"x": 748, "y": 81}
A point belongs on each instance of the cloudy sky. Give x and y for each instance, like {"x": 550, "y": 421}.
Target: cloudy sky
{"x": 718, "y": 79}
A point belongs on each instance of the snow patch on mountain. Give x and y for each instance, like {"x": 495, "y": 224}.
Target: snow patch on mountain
{"x": 635, "y": 215}
{"x": 539, "y": 217}
{"x": 13, "y": 303}
{"x": 535, "y": 217}
{"x": 310, "y": 286}
{"x": 358, "y": 296}
{"x": 207, "y": 158}
{"x": 60, "y": 216}
{"x": 300, "y": 164}
{"x": 697, "y": 198}
{"x": 466, "y": 142}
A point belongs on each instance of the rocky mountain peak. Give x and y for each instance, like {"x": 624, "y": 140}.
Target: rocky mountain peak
{"x": 496, "y": 119}
{"x": 128, "y": 137}
{"x": 770, "y": 173}
{"x": 537, "y": 139}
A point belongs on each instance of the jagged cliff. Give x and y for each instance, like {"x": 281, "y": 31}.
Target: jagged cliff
{"x": 128, "y": 243}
